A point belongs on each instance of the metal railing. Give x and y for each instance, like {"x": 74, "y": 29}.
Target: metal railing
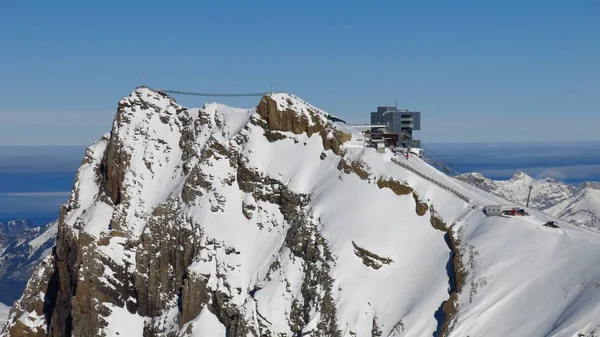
{"x": 444, "y": 186}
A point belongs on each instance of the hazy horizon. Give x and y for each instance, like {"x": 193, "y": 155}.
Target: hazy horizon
{"x": 481, "y": 71}
{"x": 36, "y": 180}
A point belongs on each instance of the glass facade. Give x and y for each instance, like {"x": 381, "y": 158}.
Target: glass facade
{"x": 401, "y": 122}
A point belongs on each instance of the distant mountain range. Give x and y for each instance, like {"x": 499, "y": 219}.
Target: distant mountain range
{"x": 579, "y": 204}
{"x": 22, "y": 245}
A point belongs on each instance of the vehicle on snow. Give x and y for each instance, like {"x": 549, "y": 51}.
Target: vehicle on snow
{"x": 503, "y": 210}
{"x": 552, "y": 224}
{"x": 515, "y": 211}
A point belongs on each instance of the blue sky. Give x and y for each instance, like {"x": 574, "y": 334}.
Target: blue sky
{"x": 478, "y": 71}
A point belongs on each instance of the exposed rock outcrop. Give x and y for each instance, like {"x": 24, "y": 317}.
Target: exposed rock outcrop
{"x": 458, "y": 279}
{"x": 370, "y": 259}
{"x": 397, "y": 187}
{"x": 166, "y": 248}
{"x": 182, "y": 220}
{"x": 420, "y": 207}
{"x": 287, "y": 119}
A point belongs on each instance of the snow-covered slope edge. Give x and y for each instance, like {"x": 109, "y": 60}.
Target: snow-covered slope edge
{"x": 579, "y": 205}
{"x": 3, "y": 314}
{"x": 273, "y": 221}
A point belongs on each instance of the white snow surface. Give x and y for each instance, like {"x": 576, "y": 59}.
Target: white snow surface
{"x": 522, "y": 279}
{"x": 207, "y": 325}
{"x": 121, "y": 322}
{"x": 4, "y": 309}
{"x": 577, "y": 204}
{"x": 47, "y": 235}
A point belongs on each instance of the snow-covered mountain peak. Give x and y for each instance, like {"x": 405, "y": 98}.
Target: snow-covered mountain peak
{"x": 145, "y": 106}
{"x": 279, "y": 221}
{"x": 126, "y": 167}
{"x": 149, "y": 96}
{"x": 154, "y": 142}
{"x": 288, "y": 113}
{"x": 521, "y": 178}
{"x": 591, "y": 185}
{"x": 287, "y": 101}
{"x": 578, "y": 204}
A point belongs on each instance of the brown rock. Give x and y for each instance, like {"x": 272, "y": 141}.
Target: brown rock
{"x": 370, "y": 259}
{"x": 394, "y": 185}
{"x": 436, "y": 221}
{"x": 288, "y": 119}
{"x": 421, "y": 207}
{"x": 165, "y": 251}
{"x": 450, "y": 307}
{"x": 193, "y": 297}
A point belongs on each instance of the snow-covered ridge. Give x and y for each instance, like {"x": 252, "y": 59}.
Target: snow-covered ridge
{"x": 275, "y": 221}
{"x": 577, "y": 204}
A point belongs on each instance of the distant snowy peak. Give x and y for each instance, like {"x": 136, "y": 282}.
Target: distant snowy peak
{"x": 17, "y": 227}
{"x": 18, "y": 223}
{"x": 591, "y": 185}
{"x": 479, "y": 180}
{"x": 521, "y": 176}
{"x": 517, "y": 187}
{"x": 21, "y": 250}
{"x": 577, "y": 204}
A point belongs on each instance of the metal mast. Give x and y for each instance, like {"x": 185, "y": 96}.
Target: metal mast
{"x": 529, "y": 195}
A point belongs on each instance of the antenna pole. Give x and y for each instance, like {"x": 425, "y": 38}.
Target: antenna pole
{"x": 529, "y": 195}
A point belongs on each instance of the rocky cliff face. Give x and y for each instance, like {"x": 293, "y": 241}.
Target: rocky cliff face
{"x": 579, "y": 205}
{"x": 150, "y": 226}
{"x": 264, "y": 222}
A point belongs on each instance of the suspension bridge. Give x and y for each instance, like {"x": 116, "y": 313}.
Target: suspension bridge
{"x": 430, "y": 156}
{"x": 206, "y": 94}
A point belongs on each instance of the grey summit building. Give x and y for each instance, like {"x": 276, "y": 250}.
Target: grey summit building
{"x": 398, "y": 122}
